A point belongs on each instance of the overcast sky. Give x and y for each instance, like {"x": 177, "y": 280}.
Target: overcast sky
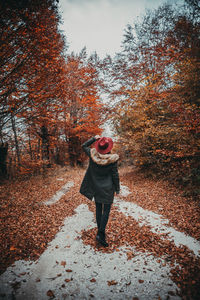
{"x": 99, "y": 24}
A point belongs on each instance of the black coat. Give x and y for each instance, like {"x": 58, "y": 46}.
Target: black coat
{"x": 101, "y": 179}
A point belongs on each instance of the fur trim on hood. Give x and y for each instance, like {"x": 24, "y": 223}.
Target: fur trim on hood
{"x": 103, "y": 159}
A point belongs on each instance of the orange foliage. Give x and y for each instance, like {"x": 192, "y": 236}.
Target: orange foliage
{"x": 47, "y": 98}
{"x": 157, "y": 76}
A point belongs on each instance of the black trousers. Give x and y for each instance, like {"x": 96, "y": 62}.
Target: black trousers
{"x": 102, "y": 215}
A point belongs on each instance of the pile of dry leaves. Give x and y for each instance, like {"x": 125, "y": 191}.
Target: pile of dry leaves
{"x": 183, "y": 214}
{"x": 27, "y": 225}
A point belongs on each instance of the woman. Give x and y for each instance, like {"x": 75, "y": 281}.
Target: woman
{"x": 101, "y": 180}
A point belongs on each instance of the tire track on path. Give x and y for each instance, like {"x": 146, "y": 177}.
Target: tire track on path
{"x": 157, "y": 223}
{"x": 72, "y": 270}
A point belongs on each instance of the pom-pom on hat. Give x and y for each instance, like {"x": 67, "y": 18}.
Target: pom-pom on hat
{"x": 104, "y": 145}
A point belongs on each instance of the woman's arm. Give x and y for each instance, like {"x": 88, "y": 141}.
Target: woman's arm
{"x": 86, "y": 145}
{"x": 115, "y": 178}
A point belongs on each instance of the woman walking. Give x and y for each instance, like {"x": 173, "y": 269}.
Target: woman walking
{"x": 101, "y": 180}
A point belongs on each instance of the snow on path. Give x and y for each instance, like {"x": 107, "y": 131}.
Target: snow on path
{"x": 156, "y": 222}
{"x": 64, "y": 189}
{"x": 141, "y": 277}
{"x": 144, "y": 276}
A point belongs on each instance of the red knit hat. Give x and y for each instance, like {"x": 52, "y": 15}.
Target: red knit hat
{"x": 104, "y": 145}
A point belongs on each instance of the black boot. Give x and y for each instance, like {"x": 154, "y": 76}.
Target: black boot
{"x": 101, "y": 238}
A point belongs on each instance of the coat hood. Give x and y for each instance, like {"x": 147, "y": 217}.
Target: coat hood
{"x": 103, "y": 159}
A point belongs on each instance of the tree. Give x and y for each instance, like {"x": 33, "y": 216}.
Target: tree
{"x": 32, "y": 65}
{"x": 156, "y": 78}
{"x": 82, "y": 108}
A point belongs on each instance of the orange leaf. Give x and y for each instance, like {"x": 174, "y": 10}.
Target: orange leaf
{"x": 50, "y": 293}
{"x": 112, "y": 282}
{"x": 141, "y": 281}
{"x": 63, "y": 263}
{"x": 12, "y": 248}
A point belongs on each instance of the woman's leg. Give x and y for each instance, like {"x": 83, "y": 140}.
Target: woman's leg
{"x": 98, "y": 214}
{"x": 104, "y": 219}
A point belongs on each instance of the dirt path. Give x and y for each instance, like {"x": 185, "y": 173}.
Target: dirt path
{"x": 142, "y": 262}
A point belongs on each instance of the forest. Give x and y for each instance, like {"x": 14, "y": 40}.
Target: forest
{"x": 52, "y": 100}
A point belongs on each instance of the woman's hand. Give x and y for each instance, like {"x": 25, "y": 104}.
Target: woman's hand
{"x": 97, "y": 137}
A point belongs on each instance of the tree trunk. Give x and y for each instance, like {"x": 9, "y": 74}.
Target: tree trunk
{"x": 38, "y": 149}
{"x": 30, "y": 147}
{"x": 3, "y": 157}
{"x": 74, "y": 149}
{"x": 45, "y": 143}
{"x": 16, "y": 140}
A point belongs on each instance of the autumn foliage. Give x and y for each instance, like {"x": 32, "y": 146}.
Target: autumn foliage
{"x": 49, "y": 100}
{"x": 157, "y": 88}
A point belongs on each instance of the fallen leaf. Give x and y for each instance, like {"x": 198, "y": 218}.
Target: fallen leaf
{"x": 23, "y": 273}
{"x": 12, "y": 248}
{"x": 112, "y": 282}
{"x": 50, "y": 293}
{"x": 140, "y": 281}
{"x": 130, "y": 255}
{"x": 63, "y": 263}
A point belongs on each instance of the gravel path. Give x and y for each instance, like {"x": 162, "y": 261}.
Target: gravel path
{"x": 69, "y": 269}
